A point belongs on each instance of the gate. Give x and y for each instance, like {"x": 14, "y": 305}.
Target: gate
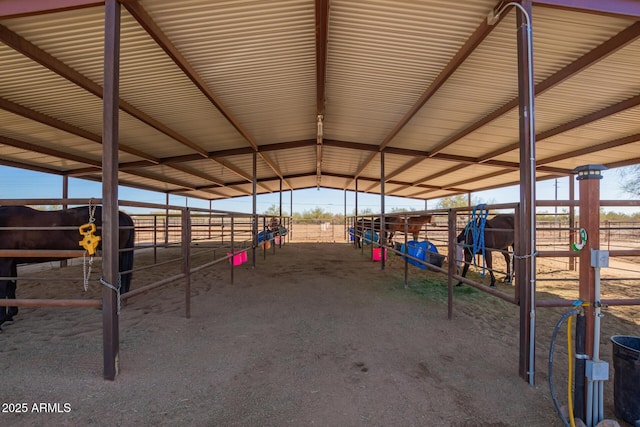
{"x": 317, "y": 230}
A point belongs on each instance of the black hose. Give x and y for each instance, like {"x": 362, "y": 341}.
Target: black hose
{"x": 551, "y": 347}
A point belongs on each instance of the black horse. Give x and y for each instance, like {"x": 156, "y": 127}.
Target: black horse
{"x": 498, "y": 235}
{"x": 20, "y": 217}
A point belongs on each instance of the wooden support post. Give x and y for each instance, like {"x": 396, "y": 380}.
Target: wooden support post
{"x": 589, "y": 177}
{"x": 110, "y": 188}
{"x": 572, "y": 221}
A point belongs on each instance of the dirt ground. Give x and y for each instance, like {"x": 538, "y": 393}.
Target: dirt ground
{"x": 317, "y": 334}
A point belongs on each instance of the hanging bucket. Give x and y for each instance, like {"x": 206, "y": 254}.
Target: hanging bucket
{"x": 378, "y": 254}
{"x": 239, "y": 258}
{"x": 370, "y": 236}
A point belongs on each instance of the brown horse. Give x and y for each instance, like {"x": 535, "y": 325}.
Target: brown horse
{"x": 393, "y": 224}
{"x": 21, "y": 228}
{"x": 498, "y": 235}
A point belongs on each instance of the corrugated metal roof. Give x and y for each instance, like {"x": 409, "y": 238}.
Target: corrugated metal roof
{"x": 206, "y": 85}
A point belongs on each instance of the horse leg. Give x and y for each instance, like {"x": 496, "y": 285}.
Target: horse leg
{"x": 467, "y": 263}
{"x": 489, "y": 260}
{"x": 5, "y": 285}
{"x": 509, "y": 278}
{"x": 11, "y": 291}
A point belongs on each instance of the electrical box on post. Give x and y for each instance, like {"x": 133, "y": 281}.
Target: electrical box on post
{"x": 597, "y": 370}
{"x": 599, "y": 258}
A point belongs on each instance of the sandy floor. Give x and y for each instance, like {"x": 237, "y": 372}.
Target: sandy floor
{"x": 317, "y": 334}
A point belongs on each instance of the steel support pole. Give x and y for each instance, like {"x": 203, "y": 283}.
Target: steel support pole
{"x": 254, "y": 227}
{"x": 110, "y": 189}
{"x": 526, "y": 250}
{"x": 383, "y": 233}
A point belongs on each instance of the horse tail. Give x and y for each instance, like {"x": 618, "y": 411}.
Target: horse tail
{"x": 126, "y": 257}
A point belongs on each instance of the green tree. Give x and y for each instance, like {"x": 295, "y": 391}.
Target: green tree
{"x": 316, "y": 213}
{"x": 396, "y": 209}
{"x": 367, "y": 211}
{"x": 457, "y": 201}
{"x": 273, "y": 210}
{"x": 631, "y": 180}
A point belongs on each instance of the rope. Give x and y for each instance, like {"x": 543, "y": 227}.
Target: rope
{"x": 113, "y": 288}
{"x": 475, "y": 226}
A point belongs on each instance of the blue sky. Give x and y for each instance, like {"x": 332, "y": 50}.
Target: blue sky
{"x": 22, "y": 184}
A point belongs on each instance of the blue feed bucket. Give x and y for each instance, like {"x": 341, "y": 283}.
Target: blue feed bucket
{"x": 421, "y": 250}
{"x": 370, "y": 236}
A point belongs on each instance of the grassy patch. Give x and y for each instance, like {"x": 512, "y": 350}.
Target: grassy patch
{"x": 435, "y": 288}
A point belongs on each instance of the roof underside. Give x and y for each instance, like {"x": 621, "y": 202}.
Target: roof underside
{"x": 206, "y": 86}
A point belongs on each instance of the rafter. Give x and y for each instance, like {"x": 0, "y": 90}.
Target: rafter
{"x": 38, "y": 55}
{"x": 630, "y": 139}
{"x": 573, "y": 124}
{"x": 19, "y": 8}
{"x": 617, "y": 8}
{"x": 28, "y": 113}
{"x": 149, "y": 25}
{"x": 27, "y": 146}
{"x": 322, "y": 31}
{"x": 597, "y": 54}
{"x": 458, "y": 59}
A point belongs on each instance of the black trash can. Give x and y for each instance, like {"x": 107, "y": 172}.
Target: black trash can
{"x": 626, "y": 380}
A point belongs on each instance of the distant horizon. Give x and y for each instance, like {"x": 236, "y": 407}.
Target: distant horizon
{"x": 24, "y": 184}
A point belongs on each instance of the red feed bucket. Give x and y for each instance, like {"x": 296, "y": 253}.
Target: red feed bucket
{"x": 377, "y": 254}
{"x": 238, "y": 259}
